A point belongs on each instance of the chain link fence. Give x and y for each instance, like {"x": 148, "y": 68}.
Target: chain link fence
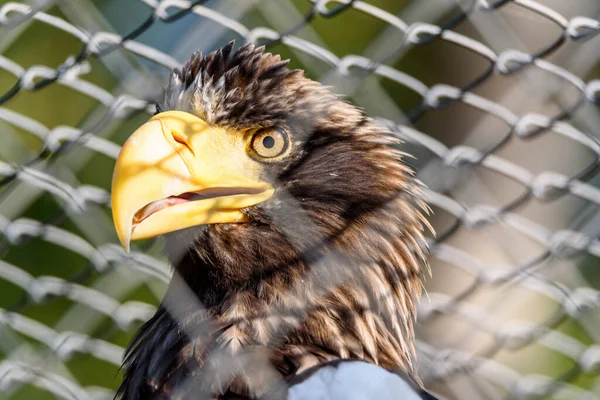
{"x": 497, "y": 100}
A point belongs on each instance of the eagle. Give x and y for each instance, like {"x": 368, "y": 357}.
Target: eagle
{"x": 295, "y": 232}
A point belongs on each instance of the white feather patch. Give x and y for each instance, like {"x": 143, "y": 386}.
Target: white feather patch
{"x": 353, "y": 380}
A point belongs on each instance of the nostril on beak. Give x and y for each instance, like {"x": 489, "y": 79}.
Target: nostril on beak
{"x": 181, "y": 139}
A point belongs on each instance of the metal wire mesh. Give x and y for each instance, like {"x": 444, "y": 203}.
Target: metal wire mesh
{"x": 498, "y": 101}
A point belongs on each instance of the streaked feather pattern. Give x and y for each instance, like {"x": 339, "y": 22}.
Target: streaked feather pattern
{"x": 280, "y": 301}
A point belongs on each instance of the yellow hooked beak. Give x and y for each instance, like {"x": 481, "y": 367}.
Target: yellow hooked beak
{"x": 176, "y": 171}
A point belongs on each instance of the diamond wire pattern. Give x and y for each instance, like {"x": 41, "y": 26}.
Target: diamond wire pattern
{"x": 576, "y": 300}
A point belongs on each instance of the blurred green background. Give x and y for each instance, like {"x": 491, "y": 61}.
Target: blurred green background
{"x": 33, "y": 43}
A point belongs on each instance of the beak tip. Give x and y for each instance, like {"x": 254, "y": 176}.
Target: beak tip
{"x": 124, "y": 238}
{"x": 125, "y": 242}
{"x": 122, "y": 224}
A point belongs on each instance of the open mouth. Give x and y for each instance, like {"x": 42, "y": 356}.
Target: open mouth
{"x": 187, "y": 197}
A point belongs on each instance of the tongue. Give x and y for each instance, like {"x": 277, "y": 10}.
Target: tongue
{"x": 157, "y": 206}
{"x": 189, "y": 196}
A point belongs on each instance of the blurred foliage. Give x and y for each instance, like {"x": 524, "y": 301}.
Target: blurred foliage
{"x": 39, "y": 44}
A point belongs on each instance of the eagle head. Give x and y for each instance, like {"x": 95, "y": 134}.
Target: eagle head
{"x": 288, "y": 215}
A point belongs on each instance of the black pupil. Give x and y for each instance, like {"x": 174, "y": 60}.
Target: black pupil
{"x": 268, "y": 142}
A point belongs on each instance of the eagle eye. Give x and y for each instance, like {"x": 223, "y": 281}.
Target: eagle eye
{"x": 269, "y": 143}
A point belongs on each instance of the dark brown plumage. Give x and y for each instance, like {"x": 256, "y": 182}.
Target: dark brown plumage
{"x": 328, "y": 268}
